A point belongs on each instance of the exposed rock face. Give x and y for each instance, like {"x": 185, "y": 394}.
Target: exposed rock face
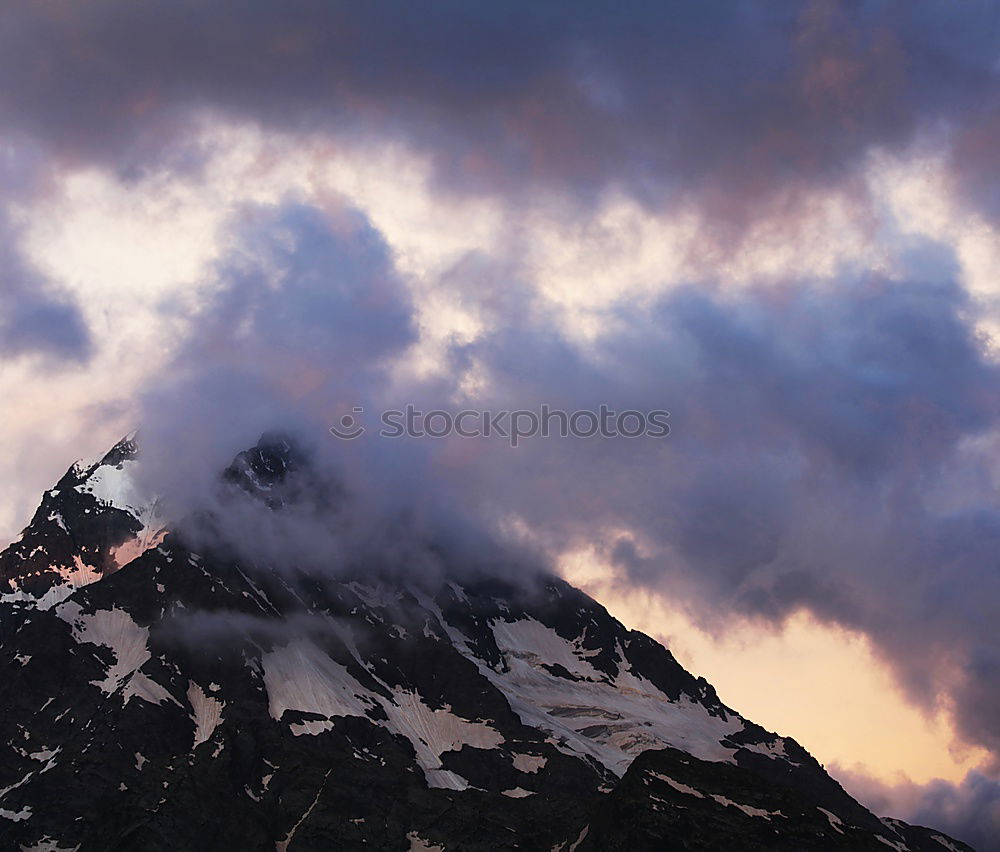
{"x": 90, "y": 524}
{"x": 189, "y": 701}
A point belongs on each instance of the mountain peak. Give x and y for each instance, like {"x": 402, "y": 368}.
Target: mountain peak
{"x": 94, "y": 521}
{"x": 267, "y": 464}
{"x": 187, "y": 700}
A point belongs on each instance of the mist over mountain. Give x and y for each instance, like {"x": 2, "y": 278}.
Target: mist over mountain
{"x": 175, "y": 685}
{"x": 774, "y": 223}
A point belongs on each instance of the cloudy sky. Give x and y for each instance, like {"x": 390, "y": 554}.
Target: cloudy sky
{"x": 777, "y": 221}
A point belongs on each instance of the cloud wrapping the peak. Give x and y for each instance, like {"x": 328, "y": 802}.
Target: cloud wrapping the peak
{"x": 301, "y": 315}
{"x": 830, "y": 448}
{"x": 834, "y": 433}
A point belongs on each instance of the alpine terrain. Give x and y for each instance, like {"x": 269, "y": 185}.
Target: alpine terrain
{"x": 162, "y": 695}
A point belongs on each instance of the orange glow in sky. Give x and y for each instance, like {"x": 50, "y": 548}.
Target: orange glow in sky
{"x": 823, "y": 685}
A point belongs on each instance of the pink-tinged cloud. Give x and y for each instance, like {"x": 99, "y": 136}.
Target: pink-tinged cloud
{"x": 748, "y": 99}
{"x": 831, "y": 445}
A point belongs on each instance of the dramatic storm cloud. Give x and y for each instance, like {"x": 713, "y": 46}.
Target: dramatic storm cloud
{"x": 743, "y": 102}
{"x": 819, "y": 331}
{"x": 861, "y": 404}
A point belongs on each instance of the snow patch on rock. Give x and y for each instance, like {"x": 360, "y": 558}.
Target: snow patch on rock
{"x": 835, "y": 821}
{"x": 531, "y": 640}
{"x": 418, "y": 844}
{"x": 300, "y": 676}
{"x": 114, "y": 629}
{"x": 678, "y": 786}
{"x": 115, "y": 486}
{"x": 206, "y": 712}
{"x": 433, "y": 732}
{"x": 77, "y": 577}
{"x": 517, "y": 793}
{"x": 529, "y": 763}
{"x": 749, "y": 810}
{"x": 610, "y": 722}
{"x": 15, "y": 816}
{"x": 141, "y": 686}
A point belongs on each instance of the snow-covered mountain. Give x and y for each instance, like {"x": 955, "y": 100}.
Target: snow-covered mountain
{"x": 90, "y": 524}
{"x": 157, "y": 696}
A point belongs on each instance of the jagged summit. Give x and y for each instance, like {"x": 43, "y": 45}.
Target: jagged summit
{"x": 263, "y": 466}
{"x": 96, "y": 519}
{"x": 187, "y": 701}
{"x": 90, "y": 524}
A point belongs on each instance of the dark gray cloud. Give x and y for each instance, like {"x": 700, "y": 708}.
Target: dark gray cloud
{"x": 833, "y": 441}
{"x": 304, "y": 319}
{"x": 823, "y": 455}
{"x": 301, "y": 318}
{"x": 969, "y": 811}
{"x": 727, "y": 104}
{"x": 831, "y": 444}
{"x": 35, "y": 321}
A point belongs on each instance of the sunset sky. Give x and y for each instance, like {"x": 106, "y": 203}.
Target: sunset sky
{"x": 776, "y": 221}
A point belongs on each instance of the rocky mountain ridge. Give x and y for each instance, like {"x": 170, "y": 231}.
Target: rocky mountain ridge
{"x": 162, "y": 696}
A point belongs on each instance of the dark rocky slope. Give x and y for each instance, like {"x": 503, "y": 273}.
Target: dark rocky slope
{"x": 193, "y": 701}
